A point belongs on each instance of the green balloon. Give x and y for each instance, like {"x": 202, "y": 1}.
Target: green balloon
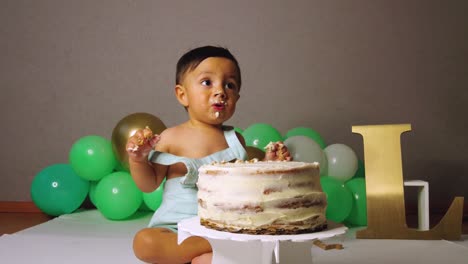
{"x": 92, "y": 192}
{"x": 58, "y": 190}
{"x": 145, "y": 208}
{"x": 154, "y": 199}
{"x": 308, "y": 132}
{"x": 260, "y": 134}
{"x": 117, "y": 196}
{"x": 120, "y": 167}
{"x": 339, "y": 199}
{"x": 361, "y": 171}
{"x": 238, "y": 130}
{"x": 92, "y": 158}
{"x": 358, "y": 214}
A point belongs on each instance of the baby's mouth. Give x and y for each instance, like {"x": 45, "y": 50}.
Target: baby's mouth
{"x": 219, "y": 106}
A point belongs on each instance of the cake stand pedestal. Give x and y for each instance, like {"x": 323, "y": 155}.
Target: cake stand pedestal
{"x": 231, "y": 248}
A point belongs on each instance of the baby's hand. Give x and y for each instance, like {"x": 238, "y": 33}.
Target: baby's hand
{"x": 277, "y": 152}
{"x": 141, "y": 143}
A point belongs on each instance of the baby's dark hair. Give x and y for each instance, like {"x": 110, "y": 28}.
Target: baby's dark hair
{"x": 193, "y": 58}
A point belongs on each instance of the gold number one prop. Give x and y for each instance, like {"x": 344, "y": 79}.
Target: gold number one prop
{"x": 384, "y": 187}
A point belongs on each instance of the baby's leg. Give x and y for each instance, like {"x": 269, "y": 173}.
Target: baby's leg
{"x": 203, "y": 259}
{"x": 159, "y": 245}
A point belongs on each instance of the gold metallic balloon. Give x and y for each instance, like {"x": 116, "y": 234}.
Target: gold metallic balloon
{"x": 253, "y": 152}
{"x": 126, "y": 127}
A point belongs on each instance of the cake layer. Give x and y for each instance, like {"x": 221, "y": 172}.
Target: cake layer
{"x": 249, "y": 197}
{"x": 257, "y": 168}
{"x": 271, "y": 229}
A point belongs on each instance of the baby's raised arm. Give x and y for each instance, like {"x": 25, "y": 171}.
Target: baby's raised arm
{"x": 147, "y": 176}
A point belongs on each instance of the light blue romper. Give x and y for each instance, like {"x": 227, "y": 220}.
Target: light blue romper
{"x": 180, "y": 194}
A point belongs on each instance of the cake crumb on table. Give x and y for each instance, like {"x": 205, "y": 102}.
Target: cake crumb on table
{"x": 324, "y": 246}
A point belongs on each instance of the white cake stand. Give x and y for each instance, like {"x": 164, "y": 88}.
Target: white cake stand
{"x": 230, "y": 248}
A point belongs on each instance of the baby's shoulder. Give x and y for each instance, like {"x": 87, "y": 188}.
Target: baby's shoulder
{"x": 174, "y": 134}
{"x": 168, "y": 134}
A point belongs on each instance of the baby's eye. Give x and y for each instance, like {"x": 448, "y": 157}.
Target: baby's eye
{"x": 231, "y": 86}
{"x": 206, "y": 83}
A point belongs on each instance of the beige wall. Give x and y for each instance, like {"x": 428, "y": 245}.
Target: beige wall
{"x": 74, "y": 68}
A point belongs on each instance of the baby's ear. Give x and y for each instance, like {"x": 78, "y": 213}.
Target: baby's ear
{"x": 181, "y": 95}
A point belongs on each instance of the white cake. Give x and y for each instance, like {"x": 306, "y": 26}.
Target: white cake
{"x": 261, "y": 197}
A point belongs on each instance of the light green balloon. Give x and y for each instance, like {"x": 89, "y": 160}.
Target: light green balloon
{"x": 117, "y": 196}
{"x": 92, "y": 158}
{"x": 239, "y": 130}
{"x": 308, "y": 132}
{"x": 260, "y": 134}
{"x": 154, "y": 199}
{"x": 305, "y": 149}
{"x": 342, "y": 161}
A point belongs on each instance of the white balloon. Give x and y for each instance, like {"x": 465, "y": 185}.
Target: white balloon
{"x": 342, "y": 161}
{"x": 305, "y": 149}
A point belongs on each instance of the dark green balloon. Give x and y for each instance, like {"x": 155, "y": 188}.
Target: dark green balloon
{"x": 339, "y": 199}
{"x": 361, "y": 171}
{"x": 58, "y": 190}
{"x": 358, "y": 214}
{"x": 92, "y": 192}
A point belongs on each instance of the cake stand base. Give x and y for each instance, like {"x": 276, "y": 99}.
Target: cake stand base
{"x": 231, "y": 248}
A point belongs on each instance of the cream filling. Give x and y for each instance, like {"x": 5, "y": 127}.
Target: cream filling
{"x": 263, "y": 218}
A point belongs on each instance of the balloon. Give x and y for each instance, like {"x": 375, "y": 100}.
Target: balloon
{"x": 120, "y": 167}
{"x": 260, "y": 134}
{"x": 361, "y": 171}
{"x": 117, "y": 196}
{"x": 358, "y": 214}
{"x": 339, "y": 199}
{"x": 342, "y": 161}
{"x": 238, "y": 130}
{"x": 145, "y": 208}
{"x": 304, "y": 149}
{"x": 254, "y": 153}
{"x": 92, "y": 192}
{"x": 58, "y": 190}
{"x": 308, "y": 132}
{"x": 91, "y": 157}
{"x": 154, "y": 199}
{"x": 126, "y": 127}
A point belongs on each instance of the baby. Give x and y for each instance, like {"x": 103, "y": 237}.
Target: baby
{"x": 208, "y": 81}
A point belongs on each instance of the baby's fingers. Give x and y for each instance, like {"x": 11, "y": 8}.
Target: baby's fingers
{"x": 287, "y": 155}
{"x": 154, "y": 140}
{"x": 132, "y": 146}
{"x": 138, "y": 138}
{"x": 147, "y": 133}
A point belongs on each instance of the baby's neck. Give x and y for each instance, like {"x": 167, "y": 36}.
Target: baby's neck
{"x": 201, "y": 125}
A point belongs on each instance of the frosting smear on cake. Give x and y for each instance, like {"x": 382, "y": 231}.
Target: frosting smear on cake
{"x": 261, "y": 197}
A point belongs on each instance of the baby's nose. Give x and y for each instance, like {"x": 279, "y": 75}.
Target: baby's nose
{"x": 220, "y": 92}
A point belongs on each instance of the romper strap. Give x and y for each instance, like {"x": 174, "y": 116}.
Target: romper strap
{"x": 234, "y": 144}
{"x": 190, "y": 179}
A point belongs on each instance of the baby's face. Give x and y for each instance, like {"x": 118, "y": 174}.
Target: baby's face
{"x": 212, "y": 90}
